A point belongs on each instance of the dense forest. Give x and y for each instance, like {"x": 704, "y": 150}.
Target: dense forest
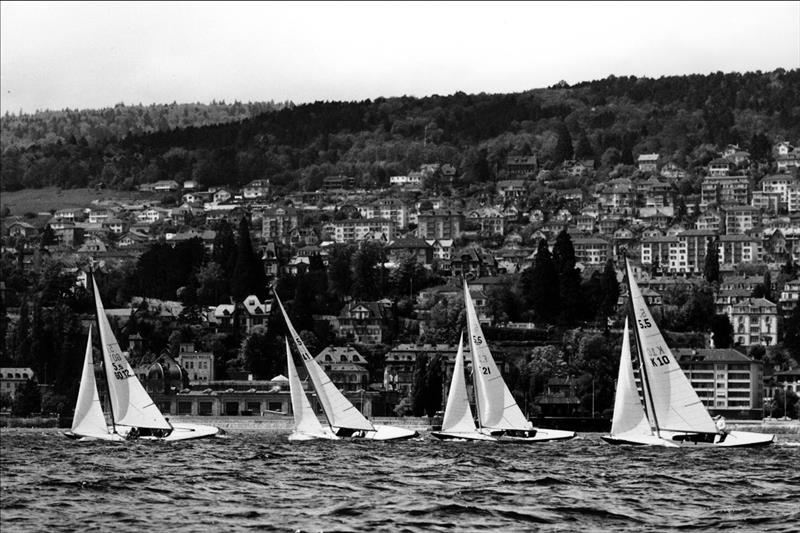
{"x": 684, "y": 118}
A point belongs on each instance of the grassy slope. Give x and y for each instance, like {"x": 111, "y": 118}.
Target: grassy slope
{"x": 43, "y": 200}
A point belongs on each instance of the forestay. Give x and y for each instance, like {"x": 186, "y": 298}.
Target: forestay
{"x": 305, "y": 421}
{"x": 457, "y": 414}
{"x": 496, "y": 407}
{"x": 629, "y": 416}
{"x": 338, "y": 409}
{"x": 130, "y": 403}
{"x": 89, "y": 419}
{"x": 676, "y": 406}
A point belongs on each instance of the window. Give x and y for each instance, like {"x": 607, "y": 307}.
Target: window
{"x": 184, "y": 408}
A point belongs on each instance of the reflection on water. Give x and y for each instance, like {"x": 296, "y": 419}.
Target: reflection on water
{"x": 256, "y": 480}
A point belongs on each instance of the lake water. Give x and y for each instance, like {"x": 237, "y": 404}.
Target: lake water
{"x": 255, "y": 480}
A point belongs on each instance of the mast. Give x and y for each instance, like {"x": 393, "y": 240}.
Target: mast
{"x": 474, "y": 362}
{"x": 105, "y": 370}
{"x": 639, "y": 355}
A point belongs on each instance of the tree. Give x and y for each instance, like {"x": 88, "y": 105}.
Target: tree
{"x": 225, "y": 252}
{"x": 434, "y": 384}
{"x": 584, "y": 148}
{"x": 610, "y": 288}
{"x": 28, "y": 399}
{"x": 48, "y": 236}
{"x": 339, "y": 276}
{"x": 248, "y": 274}
{"x": 260, "y": 353}
{"x": 563, "y": 150}
{"x": 711, "y": 269}
{"x": 569, "y": 279}
{"x": 418, "y": 388}
{"x": 721, "y": 331}
{"x": 367, "y": 271}
{"x": 791, "y": 337}
{"x": 540, "y": 285}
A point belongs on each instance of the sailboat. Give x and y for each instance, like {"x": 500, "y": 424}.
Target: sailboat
{"x": 306, "y": 424}
{"x": 498, "y": 412}
{"x": 343, "y": 417}
{"x": 629, "y": 425}
{"x": 133, "y": 412}
{"x": 89, "y": 422}
{"x": 458, "y": 423}
{"x": 673, "y": 412}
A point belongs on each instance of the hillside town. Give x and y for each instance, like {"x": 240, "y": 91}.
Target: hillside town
{"x": 735, "y": 231}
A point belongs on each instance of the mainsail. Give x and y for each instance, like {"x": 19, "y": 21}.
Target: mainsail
{"x": 130, "y": 403}
{"x": 88, "y": 419}
{"x": 629, "y": 416}
{"x": 496, "y": 407}
{"x": 457, "y": 414}
{"x": 305, "y": 421}
{"x": 338, "y": 409}
{"x": 675, "y": 404}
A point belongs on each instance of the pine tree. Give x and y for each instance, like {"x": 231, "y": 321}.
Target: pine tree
{"x": 711, "y": 270}
{"x": 610, "y": 288}
{"x": 569, "y": 279}
{"x": 767, "y": 283}
{"x": 225, "y": 252}
{"x": 721, "y": 331}
{"x": 418, "y": 389}
{"x": 434, "y": 383}
{"x": 248, "y": 273}
{"x": 541, "y": 285}
{"x": 563, "y": 150}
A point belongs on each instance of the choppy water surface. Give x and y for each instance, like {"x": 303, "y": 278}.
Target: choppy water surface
{"x": 257, "y": 481}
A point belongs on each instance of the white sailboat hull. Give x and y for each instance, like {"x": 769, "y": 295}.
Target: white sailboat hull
{"x": 179, "y": 432}
{"x": 534, "y": 435}
{"x": 672, "y": 439}
{"x": 638, "y": 440}
{"x": 462, "y": 436}
{"x": 299, "y": 436}
{"x": 379, "y": 433}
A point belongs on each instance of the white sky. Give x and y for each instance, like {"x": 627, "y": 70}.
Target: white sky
{"x": 96, "y": 54}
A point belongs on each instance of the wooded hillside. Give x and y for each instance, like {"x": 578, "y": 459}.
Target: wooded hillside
{"x": 684, "y": 118}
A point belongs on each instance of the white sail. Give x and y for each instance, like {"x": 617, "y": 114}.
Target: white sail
{"x": 305, "y": 421}
{"x": 675, "y": 404}
{"x": 497, "y": 408}
{"x": 338, "y": 409}
{"x": 629, "y": 416}
{"x": 457, "y": 414}
{"x": 130, "y": 403}
{"x": 89, "y": 419}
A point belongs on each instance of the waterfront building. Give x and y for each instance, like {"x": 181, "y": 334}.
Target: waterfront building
{"x": 727, "y": 381}
{"x": 11, "y": 378}
{"x": 198, "y": 365}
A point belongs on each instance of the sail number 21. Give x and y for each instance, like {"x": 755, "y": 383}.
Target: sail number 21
{"x": 478, "y": 340}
